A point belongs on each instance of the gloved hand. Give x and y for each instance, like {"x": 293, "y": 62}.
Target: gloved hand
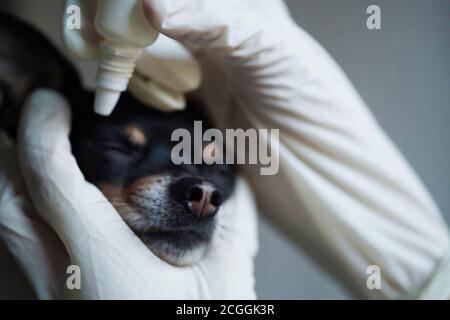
{"x": 165, "y": 71}
{"x": 343, "y": 191}
{"x": 36, "y": 256}
{"x": 114, "y": 263}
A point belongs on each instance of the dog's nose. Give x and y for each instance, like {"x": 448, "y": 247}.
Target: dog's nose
{"x": 201, "y": 197}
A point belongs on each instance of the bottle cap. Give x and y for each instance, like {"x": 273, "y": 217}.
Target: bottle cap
{"x": 105, "y": 101}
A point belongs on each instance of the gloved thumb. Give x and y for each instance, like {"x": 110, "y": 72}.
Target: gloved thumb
{"x": 75, "y": 208}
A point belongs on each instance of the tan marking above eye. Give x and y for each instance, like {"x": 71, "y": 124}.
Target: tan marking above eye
{"x": 135, "y": 135}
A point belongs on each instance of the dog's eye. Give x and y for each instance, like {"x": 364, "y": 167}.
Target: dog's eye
{"x": 105, "y": 146}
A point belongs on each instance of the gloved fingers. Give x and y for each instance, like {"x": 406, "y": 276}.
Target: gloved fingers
{"x": 201, "y": 21}
{"x": 81, "y": 38}
{"x": 262, "y": 62}
{"x": 34, "y": 246}
{"x": 71, "y": 205}
{"x": 203, "y": 24}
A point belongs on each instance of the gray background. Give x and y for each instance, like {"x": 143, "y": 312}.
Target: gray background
{"x": 403, "y": 73}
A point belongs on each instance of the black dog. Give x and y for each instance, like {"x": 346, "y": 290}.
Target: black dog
{"x": 127, "y": 155}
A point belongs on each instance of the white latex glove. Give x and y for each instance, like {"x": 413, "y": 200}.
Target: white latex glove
{"x": 343, "y": 192}
{"x": 39, "y": 256}
{"x": 114, "y": 263}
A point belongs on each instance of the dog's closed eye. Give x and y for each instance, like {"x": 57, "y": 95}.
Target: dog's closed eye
{"x": 130, "y": 141}
{"x": 112, "y": 146}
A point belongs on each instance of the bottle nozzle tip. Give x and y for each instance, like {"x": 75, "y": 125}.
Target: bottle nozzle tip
{"x": 105, "y": 101}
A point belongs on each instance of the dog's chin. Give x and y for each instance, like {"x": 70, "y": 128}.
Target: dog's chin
{"x": 179, "y": 258}
{"x": 171, "y": 232}
{"x": 179, "y": 247}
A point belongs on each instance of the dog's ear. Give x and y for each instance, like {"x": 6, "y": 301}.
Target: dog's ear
{"x": 29, "y": 61}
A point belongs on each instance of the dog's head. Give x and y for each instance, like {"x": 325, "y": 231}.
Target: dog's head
{"x": 127, "y": 155}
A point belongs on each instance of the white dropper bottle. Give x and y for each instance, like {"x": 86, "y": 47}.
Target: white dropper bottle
{"x": 126, "y": 32}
